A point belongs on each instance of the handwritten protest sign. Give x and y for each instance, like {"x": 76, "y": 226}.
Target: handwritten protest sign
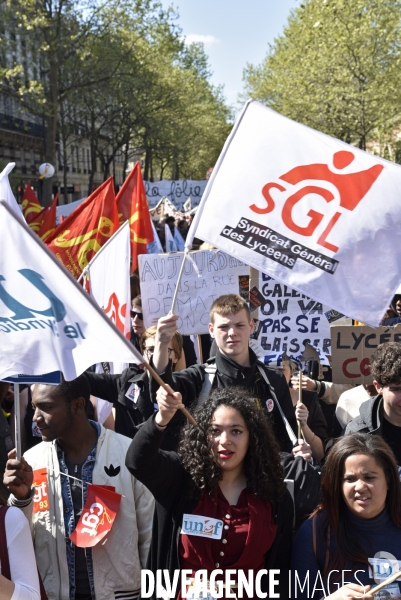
{"x": 219, "y": 274}
{"x": 352, "y": 348}
{"x": 287, "y": 321}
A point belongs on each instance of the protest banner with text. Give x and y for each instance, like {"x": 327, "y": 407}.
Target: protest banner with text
{"x": 352, "y": 348}
{"x": 218, "y": 274}
{"x": 287, "y": 320}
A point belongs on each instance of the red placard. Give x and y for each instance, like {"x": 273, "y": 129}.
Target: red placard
{"x": 97, "y": 518}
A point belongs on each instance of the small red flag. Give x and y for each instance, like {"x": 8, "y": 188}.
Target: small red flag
{"x": 97, "y": 518}
{"x": 133, "y": 205}
{"x": 77, "y": 239}
{"x": 49, "y": 222}
{"x": 31, "y": 206}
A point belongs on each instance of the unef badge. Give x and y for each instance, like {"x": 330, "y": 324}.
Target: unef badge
{"x": 41, "y": 497}
{"x": 97, "y": 518}
{"x": 202, "y": 526}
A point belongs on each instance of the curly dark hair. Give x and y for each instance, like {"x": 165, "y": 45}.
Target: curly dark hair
{"x": 348, "y": 551}
{"x": 385, "y": 363}
{"x": 262, "y": 468}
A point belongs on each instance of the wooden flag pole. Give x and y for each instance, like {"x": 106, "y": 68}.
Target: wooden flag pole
{"x": 300, "y": 402}
{"x": 386, "y": 582}
{"x": 166, "y": 387}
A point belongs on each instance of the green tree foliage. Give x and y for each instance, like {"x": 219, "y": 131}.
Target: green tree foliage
{"x": 115, "y": 73}
{"x": 336, "y": 68}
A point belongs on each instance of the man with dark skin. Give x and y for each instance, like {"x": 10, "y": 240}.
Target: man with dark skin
{"x": 74, "y": 453}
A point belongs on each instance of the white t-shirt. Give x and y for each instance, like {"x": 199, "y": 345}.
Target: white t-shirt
{"x": 21, "y": 556}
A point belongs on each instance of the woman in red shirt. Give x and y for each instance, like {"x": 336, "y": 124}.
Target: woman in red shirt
{"x": 224, "y": 492}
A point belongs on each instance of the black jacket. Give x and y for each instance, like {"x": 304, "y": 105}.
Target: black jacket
{"x": 316, "y": 421}
{"x": 370, "y": 417}
{"x": 129, "y": 414}
{"x": 163, "y": 474}
{"x": 229, "y": 373}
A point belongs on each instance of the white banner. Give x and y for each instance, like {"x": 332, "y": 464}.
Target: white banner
{"x": 158, "y": 277}
{"x": 287, "y": 321}
{"x": 178, "y": 191}
{"x": 311, "y": 211}
{"x": 47, "y": 321}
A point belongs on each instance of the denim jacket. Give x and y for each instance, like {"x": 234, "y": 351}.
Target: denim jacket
{"x": 69, "y": 521}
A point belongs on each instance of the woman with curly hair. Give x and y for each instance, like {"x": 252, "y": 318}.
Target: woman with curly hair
{"x": 357, "y": 525}
{"x": 224, "y": 491}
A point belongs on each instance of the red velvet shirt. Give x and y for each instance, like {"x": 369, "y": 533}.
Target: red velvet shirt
{"x": 248, "y": 533}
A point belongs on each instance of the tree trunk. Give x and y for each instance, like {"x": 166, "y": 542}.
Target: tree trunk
{"x": 51, "y": 130}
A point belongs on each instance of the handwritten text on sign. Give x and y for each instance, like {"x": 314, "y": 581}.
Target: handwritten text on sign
{"x": 158, "y": 276}
{"x": 352, "y": 349}
{"x": 289, "y": 320}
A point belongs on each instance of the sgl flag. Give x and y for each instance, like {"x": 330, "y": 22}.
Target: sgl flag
{"x": 31, "y": 206}
{"x": 6, "y": 192}
{"x": 311, "y": 211}
{"x": 133, "y": 206}
{"x": 77, "y": 239}
{"x": 47, "y": 320}
{"x": 171, "y": 245}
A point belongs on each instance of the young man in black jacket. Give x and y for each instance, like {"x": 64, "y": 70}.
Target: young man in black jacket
{"x": 381, "y": 415}
{"x": 235, "y": 364}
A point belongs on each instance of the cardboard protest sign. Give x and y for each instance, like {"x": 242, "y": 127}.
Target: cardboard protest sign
{"x": 352, "y": 348}
{"x": 97, "y": 518}
{"x": 218, "y": 274}
{"x": 307, "y": 209}
{"x": 287, "y": 320}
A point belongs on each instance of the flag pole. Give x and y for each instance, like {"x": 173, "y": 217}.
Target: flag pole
{"x": 17, "y": 411}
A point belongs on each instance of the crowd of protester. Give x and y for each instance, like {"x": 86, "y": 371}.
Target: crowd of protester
{"x": 230, "y": 470}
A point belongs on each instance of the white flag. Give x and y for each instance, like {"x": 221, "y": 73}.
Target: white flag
{"x": 311, "y": 211}
{"x": 6, "y": 192}
{"x": 47, "y": 320}
{"x": 171, "y": 246}
{"x": 179, "y": 240}
{"x": 110, "y": 287}
{"x": 109, "y": 279}
{"x": 154, "y": 247}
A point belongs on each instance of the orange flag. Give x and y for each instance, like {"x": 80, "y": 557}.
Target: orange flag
{"x": 31, "y": 206}
{"x": 49, "y": 221}
{"x": 133, "y": 205}
{"x": 77, "y": 239}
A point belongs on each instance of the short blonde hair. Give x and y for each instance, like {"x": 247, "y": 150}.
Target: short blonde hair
{"x": 229, "y": 304}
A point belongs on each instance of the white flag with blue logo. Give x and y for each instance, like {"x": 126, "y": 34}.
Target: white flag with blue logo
{"x": 171, "y": 246}
{"x": 47, "y": 320}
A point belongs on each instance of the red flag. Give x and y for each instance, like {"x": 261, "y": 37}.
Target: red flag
{"x": 97, "y": 518}
{"x": 133, "y": 205}
{"x": 38, "y": 219}
{"x": 30, "y": 204}
{"x": 49, "y": 221}
{"x": 77, "y": 239}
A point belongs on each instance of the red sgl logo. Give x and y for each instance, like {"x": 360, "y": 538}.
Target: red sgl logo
{"x": 352, "y": 187}
{"x": 116, "y": 313}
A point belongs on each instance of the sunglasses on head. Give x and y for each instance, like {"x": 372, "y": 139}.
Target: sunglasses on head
{"x": 136, "y": 314}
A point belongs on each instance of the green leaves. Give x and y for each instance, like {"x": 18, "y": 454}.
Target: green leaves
{"x": 336, "y": 68}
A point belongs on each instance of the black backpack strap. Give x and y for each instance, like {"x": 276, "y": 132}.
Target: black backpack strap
{"x": 288, "y": 427}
